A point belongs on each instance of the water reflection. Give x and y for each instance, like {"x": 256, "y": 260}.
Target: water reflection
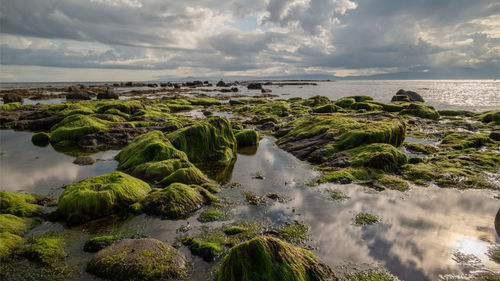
{"x": 41, "y": 170}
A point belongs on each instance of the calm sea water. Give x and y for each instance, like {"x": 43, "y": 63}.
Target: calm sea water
{"x": 473, "y": 95}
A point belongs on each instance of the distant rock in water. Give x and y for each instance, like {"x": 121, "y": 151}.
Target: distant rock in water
{"x": 403, "y": 95}
{"x": 254, "y": 86}
{"x": 84, "y": 160}
{"x": 78, "y": 96}
{"x": 108, "y": 94}
{"x": 9, "y": 98}
{"x": 222, "y": 84}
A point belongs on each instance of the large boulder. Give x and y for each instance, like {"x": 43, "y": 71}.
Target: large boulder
{"x": 138, "y": 259}
{"x": 270, "y": 259}
{"x": 211, "y": 141}
{"x": 421, "y": 110}
{"x": 9, "y": 98}
{"x": 247, "y": 137}
{"x": 100, "y": 196}
{"x": 150, "y": 147}
{"x": 72, "y": 128}
{"x": 412, "y": 96}
{"x": 108, "y": 94}
{"x": 176, "y": 201}
{"x": 377, "y": 155}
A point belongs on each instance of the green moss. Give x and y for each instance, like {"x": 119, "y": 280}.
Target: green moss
{"x": 212, "y": 215}
{"x": 207, "y": 250}
{"x": 150, "y": 147}
{"x": 371, "y": 275}
{"x": 421, "y": 110}
{"x": 211, "y": 141}
{"x": 12, "y": 105}
{"x": 327, "y": 108}
{"x": 47, "y": 250}
{"x": 419, "y": 173}
{"x": 211, "y": 187}
{"x": 100, "y": 196}
{"x": 191, "y": 175}
{"x": 345, "y": 176}
{"x": 294, "y": 233}
{"x": 392, "y": 106}
{"x": 455, "y": 113}
{"x": 377, "y": 155}
{"x": 247, "y": 138}
{"x": 336, "y": 195}
{"x": 275, "y": 107}
{"x": 117, "y": 112}
{"x": 420, "y": 148}
{"x": 366, "y": 106}
{"x": 235, "y": 229}
{"x": 460, "y": 141}
{"x": 98, "y": 243}
{"x": 74, "y": 109}
{"x": 345, "y": 102}
{"x": 9, "y": 243}
{"x": 313, "y": 101}
{"x": 180, "y": 107}
{"x": 267, "y": 258}
{"x": 365, "y": 219}
{"x": 129, "y": 106}
{"x": 175, "y": 201}
{"x": 395, "y": 183}
{"x": 73, "y": 127}
{"x": 204, "y": 101}
{"x": 13, "y": 224}
{"x": 156, "y": 171}
{"x": 490, "y": 116}
{"x": 19, "y": 204}
{"x": 40, "y": 139}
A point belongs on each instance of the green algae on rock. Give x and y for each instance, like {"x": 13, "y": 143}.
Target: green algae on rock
{"x": 326, "y": 108}
{"x": 420, "y": 148}
{"x": 19, "y": 204}
{"x": 345, "y": 176}
{"x": 176, "y": 201}
{"x": 13, "y": 224}
{"x": 235, "y": 229}
{"x": 365, "y": 219}
{"x": 191, "y": 175}
{"x": 9, "y": 243}
{"x": 40, "y": 139}
{"x": 490, "y": 117}
{"x": 392, "y": 182}
{"x": 158, "y": 170}
{"x": 421, "y": 110}
{"x": 212, "y": 215}
{"x": 46, "y": 250}
{"x": 138, "y": 259}
{"x": 150, "y": 147}
{"x": 12, "y": 105}
{"x": 69, "y": 130}
{"x": 247, "y": 138}
{"x": 267, "y": 258}
{"x": 100, "y": 196}
{"x": 98, "y": 243}
{"x": 206, "y": 250}
{"x": 377, "y": 155}
{"x": 211, "y": 141}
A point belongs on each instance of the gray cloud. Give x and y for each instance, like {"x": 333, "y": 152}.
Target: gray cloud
{"x": 293, "y": 36}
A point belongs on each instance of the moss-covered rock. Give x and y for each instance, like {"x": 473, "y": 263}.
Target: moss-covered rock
{"x": 490, "y": 117}
{"x": 204, "y": 101}
{"x": 40, "y": 139}
{"x": 13, "y": 224}
{"x": 247, "y": 138}
{"x": 460, "y": 141}
{"x": 420, "y": 148}
{"x": 275, "y": 107}
{"x": 345, "y": 176}
{"x": 191, "y": 175}
{"x": 19, "y": 204}
{"x": 345, "y": 102}
{"x": 377, "y": 155}
{"x": 150, "y": 147}
{"x": 12, "y": 105}
{"x": 212, "y": 215}
{"x": 235, "y": 229}
{"x": 9, "y": 243}
{"x": 313, "y": 101}
{"x": 419, "y": 173}
{"x": 47, "y": 250}
{"x": 100, "y": 196}
{"x": 69, "y": 130}
{"x": 138, "y": 259}
{"x": 366, "y": 106}
{"x": 176, "y": 201}
{"x": 455, "y": 113}
{"x": 157, "y": 171}
{"x": 327, "y": 108}
{"x": 211, "y": 141}
{"x": 365, "y": 219}
{"x": 206, "y": 250}
{"x": 128, "y": 107}
{"x": 267, "y": 258}
{"x": 392, "y": 182}
{"x": 421, "y": 110}
{"x": 98, "y": 243}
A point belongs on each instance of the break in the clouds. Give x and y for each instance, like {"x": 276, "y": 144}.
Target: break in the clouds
{"x": 149, "y": 39}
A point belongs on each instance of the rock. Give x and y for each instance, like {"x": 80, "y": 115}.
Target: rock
{"x": 100, "y": 196}
{"x": 421, "y": 110}
{"x": 150, "y": 147}
{"x": 189, "y": 175}
{"x": 176, "y": 201}
{"x": 247, "y": 137}
{"x": 234, "y": 89}
{"x": 98, "y": 243}
{"x": 211, "y": 141}
{"x": 138, "y": 259}
{"x": 495, "y": 135}
{"x": 404, "y": 98}
{"x": 269, "y": 126}
{"x": 46, "y": 250}
{"x": 267, "y": 258}
{"x": 265, "y": 90}
{"x": 84, "y": 160}
{"x": 72, "y": 128}
{"x": 158, "y": 170}
{"x": 222, "y": 84}
{"x": 411, "y": 95}
{"x": 40, "y": 139}
{"x": 108, "y": 94}
{"x": 254, "y": 86}
{"x": 9, "y": 98}
{"x": 9, "y": 243}
{"x": 316, "y": 101}
{"x": 19, "y": 204}
{"x": 78, "y": 96}
{"x": 380, "y": 156}
{"x": 327, "y": 108}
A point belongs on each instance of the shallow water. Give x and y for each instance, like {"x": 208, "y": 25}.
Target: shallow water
{"x": 420, "y": 229}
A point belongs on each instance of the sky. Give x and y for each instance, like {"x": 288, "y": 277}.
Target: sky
{"x": 142, "y": 40}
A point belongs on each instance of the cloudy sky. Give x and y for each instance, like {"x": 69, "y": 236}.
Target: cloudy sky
{"x": 115, "y": 40}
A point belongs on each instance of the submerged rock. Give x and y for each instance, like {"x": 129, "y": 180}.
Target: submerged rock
{"x": 247, "y": 137}
{"x": 211, "y": 141}
{"x": 100, "y": 196}
{"x": 138, "y": 259}
{"x": 84, "y": 160}
{"x": 267, "y": 258}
